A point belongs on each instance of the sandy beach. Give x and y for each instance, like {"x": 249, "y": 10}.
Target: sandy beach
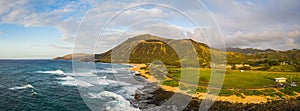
{"x": 137, "y": 67}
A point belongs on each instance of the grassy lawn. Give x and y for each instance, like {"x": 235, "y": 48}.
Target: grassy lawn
{"x": 235, "y": 78}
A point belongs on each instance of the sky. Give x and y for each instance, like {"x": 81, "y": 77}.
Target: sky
{"x": 35, "y": 29}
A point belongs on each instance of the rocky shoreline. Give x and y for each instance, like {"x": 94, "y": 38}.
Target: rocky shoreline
{"x": 147, "y": 99}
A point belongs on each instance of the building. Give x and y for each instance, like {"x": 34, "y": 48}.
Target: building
{"x": 241, "y": 65}
{"x": 228, "y": 66}
{"x": 246, "y": 65}
{"x": 280, "y": 79}
{"x": 237, "y": 66}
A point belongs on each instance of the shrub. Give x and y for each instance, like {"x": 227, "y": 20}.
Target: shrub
{"x": 278, "y": 94}
{"x": 225, "y": 92}
{"x": 239, "y": 95}
{"x": 171, "y": 83}
{"x": 272, "y": 93}
{"x": 297, "y": 89}
{"x": 251, "y": 92}
{"x": 288, "y": 91}
{"x": 143, "y": 68}
{"x": 268, "y": 91}
{"x": 203, "y": 80}
{"x": 199, "y": 89}
{"x": 245, "y": 68}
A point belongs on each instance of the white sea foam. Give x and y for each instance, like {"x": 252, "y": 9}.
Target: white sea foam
{"x": 60, "y": 72}
{"x": 107, "y": 70}
{"x": 87, "y": 82}
{"x": 76, "y": 83}
{"x": 33, "y": 93}
{"x": 68, "y": 83}
{"x": 87, "y": 74}
{"x": 22, "y": 87}
{"x": 110, "y": 82}
{"x": 66, "y": 78}
{"x": 104, "y": 77}
{"x": 52, "y": 72}
{"x": 131, "y": 89}
{"x": 117, "y": 104}
{"x": 83, "y": 83}
{"x": 136, "y": 73}
{"x": 70, "y": 80}
{"x": 103, "y": 82}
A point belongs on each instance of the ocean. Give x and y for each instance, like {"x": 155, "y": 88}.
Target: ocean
{"x": 41, "y": 85}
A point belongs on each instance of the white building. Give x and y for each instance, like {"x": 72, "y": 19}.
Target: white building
{"x": 280, "y": 79}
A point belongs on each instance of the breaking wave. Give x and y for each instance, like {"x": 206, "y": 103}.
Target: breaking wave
{"x": 76, "y": 83}
{"x": 116, "y": 103}
{"x": 107, "y": 70}
{"x": 52, "y": 72}
{"x": 66, "y": 78}
{"x": 27, "y": 86}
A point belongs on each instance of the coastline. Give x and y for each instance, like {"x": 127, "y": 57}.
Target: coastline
{"x": 200, "y": 96}
{"x": 137, "y": 68}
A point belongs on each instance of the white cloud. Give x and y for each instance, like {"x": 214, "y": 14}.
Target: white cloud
{"x": 272, "y": 24}
{"x": 259, "y": 24}
{"x": 244, "y": 23}
{"x": 67, "y": 23}
{"x": 294, "y": 34}
{"x": 237, "y": 15}
{"x": 5, "y": 7}
{"x": 65, "y": 17}
{"x": 265, "y": 39}
{"x": 60, "y": 46}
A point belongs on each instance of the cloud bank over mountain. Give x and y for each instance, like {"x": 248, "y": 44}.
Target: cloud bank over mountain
{"x": 258, "y": 24}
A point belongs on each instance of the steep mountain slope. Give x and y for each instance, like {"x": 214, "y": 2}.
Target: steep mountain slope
{"x": 147, "y": 48}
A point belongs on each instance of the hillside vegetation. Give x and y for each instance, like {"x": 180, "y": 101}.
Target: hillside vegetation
{"x": 147, "y": 48}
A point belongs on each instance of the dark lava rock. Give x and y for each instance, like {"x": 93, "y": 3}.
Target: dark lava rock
{"x": 155, "y": 101}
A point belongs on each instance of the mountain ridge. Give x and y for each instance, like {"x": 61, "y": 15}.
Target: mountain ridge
{"x": 147, "y": 48}
{"x": 249, "y": 50}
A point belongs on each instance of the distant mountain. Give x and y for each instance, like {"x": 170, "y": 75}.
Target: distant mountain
{"x": 249, "y": 50}
{"x": 79, "y": 56}
{"x": 268, "y": 54}
{"x": 288, "y": 55}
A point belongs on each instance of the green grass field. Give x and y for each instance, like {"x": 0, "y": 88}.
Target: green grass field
{"x": 235, "y": 78}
